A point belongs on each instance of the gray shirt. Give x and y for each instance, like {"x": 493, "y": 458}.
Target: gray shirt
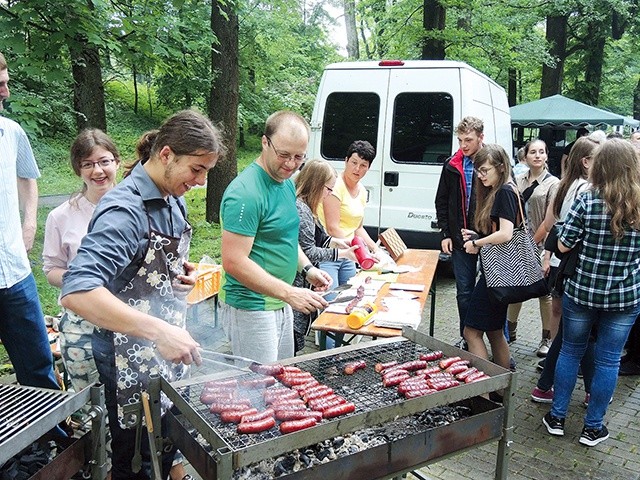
{"x": 118, "y": 236}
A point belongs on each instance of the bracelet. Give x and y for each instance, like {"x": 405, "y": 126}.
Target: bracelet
{"x": 305, "y": 270}
{"x": 473, "y": 242}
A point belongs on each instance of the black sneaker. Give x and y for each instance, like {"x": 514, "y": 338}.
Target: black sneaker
{"x": 540, "y": 365}
{"x": 461, "y": 344}
{"x": 592, "y": 436}
{"x": 555, "y": 425}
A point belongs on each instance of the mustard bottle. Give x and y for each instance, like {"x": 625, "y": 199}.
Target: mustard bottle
{"x": 360, "y": 314}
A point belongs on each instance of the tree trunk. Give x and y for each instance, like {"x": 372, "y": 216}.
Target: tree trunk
{"x": 433, "y": 21}
{"x": 552, "y": 76}
{"x": 512, "y": 88}
{"x": 353, "y": 50}
{"x": 223, "y": 100}
{"x": 594, "y": 58}
{"x": 136, "y": 95}
{"x": 88, "y": 90}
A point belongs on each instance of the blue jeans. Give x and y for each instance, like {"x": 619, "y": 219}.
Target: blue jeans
{"x": 123, "y": 440}
{"x": 24, "y": 335}
{"x": 545, "y": 382}
{"x": 465, "y": 269}
{"x": 613, "y": 330}
{"x": 340, "y": 271}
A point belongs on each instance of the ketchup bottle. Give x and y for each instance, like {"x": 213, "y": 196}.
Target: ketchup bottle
{"x": 365, "y": 259}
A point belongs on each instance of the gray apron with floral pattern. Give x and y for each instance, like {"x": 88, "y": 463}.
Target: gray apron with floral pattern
{"x": 151, "y": 291}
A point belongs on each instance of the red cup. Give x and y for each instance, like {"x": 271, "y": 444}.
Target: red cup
{"x": 365, "y": 259}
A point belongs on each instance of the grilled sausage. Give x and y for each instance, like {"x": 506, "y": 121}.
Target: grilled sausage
{"x": 286, "y": 415}
{"x": 258, "y": 416}
{"x": 413, "y": 365}
{"x": 256, "y": 383}
{"x": 271, "y": 396}
{"x": 323, "y": 403}
{"x": 305, "y": 386}
{"x": 322, "y": 392}
{"x": 418, "y": 393}
{"x": 431, "y": 356}
{"x": 287, "y": 401}
{"x": 351, "y": 367}
{"x": 338, "y": 410}
{"x": 234, "y": 416}
{"x": 448, "y": 361}
{"x": 379, "y": 367}
{"x": 442, "y": 384}
{"x": 394, "y": 380}
{"x": 257, "y": 426}
{"x": 466, "y": 373}
{"x": 208, "y": 398}
{"x": 266, "y": 369}
{"x": 429, "y": 371}
{"x": 295, "y": 425}
{"x": 476, "y": 377}
{"x": 456, "y": 368}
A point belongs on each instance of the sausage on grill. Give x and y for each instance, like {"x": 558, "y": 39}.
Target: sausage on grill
{"x": 257, "y": 426}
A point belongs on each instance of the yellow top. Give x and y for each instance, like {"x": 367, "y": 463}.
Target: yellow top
{"x": 351, "y": 209}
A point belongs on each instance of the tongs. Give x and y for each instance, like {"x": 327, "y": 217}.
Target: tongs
{"x": 250, "y": 363}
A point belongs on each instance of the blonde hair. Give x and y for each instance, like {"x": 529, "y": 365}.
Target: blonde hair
{"x": 311, "y": 182}
{"x": 495, "y": 156}
{"x": 615, "y": 175}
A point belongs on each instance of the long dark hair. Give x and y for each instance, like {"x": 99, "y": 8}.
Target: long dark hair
{"x": 185, "y": 132}
{"x": 495, "y": 156}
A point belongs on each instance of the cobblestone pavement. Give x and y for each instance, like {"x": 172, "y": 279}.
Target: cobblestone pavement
{"x": 534, "y": 453}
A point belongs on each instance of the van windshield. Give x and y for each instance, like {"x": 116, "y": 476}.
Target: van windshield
{"x": 349, "y": 116}
{"x": 422, "y": 127}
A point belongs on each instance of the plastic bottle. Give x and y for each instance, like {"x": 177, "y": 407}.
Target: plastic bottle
{"x": 365, "y": 259}
{"x": 360, "y": 314}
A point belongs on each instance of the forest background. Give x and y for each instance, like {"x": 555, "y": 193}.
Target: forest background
{"x": 124, "y": 65}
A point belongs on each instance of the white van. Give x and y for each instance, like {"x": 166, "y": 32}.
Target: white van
{"x": 408, "y": 111}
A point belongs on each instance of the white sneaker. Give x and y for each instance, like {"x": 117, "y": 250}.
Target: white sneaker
{"x": 543, "y": 349}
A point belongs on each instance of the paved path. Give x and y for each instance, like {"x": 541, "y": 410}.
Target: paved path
{"x": 535, "y": 454}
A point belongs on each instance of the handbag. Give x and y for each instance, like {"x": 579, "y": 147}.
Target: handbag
{"x": 513, "y": 270}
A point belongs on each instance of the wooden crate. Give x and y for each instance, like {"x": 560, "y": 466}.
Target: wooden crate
{"x": 207, "y": 284}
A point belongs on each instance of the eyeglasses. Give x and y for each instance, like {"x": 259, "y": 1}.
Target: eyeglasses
{"x": 329, "y": 189}
{"x": 104, "y": 163}
{"x": 284, "y": 156}
{"x": 482, "y": 172}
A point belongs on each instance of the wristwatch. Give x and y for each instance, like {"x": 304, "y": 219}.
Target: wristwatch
{"x": 305, "y": 270}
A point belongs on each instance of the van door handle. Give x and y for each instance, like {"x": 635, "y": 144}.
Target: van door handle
{"x": 391, "y": 179}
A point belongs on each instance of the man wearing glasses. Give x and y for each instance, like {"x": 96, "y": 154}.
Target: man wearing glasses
{"x": 260, "y": 251}
{"x": 455, "y": 206}
{"x": 22, "y": 327}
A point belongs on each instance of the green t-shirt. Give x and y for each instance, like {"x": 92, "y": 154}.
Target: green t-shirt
{"x": 255, "y": 205}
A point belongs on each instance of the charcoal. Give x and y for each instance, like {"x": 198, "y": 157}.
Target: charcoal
{"x": 338, "y": 442}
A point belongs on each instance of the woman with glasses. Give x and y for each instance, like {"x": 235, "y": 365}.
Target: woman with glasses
{"x": 95, "y": 159}
{"x": 313, "y": 184}
{"x": 538, "y": 188}
{"x": 497, "y": 213}
{"x": 342, "y": 212}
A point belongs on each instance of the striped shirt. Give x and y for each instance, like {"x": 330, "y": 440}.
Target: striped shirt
{"x": 607, "y": 275}
{"x": 16, "y": 161}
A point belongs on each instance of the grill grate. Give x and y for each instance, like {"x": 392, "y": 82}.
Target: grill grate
{"x": 27, "y": 413}
{"x": 363, "y": 388}
{"x": 21, "y": 406}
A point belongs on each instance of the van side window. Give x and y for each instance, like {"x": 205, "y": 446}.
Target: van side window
{"x": 422, "y": 127}
{"x": 349, "y": 116}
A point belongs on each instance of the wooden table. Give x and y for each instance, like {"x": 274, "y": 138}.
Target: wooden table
{"x": 330, "y": 324}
